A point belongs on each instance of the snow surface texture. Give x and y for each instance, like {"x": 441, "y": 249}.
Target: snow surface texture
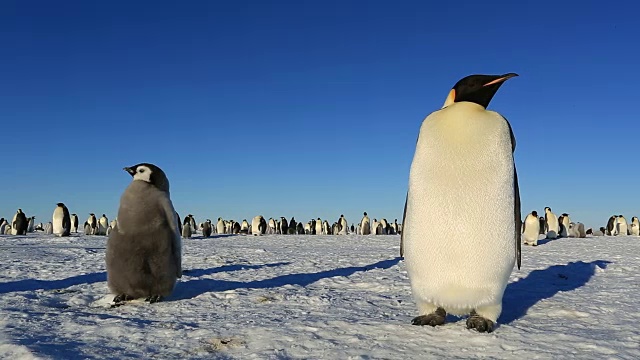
{"x": 311, "y": 297}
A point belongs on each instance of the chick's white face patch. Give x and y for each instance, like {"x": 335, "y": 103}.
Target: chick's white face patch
{"x": 142, "y": 173}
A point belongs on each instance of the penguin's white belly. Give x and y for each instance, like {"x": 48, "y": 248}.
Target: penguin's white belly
{"x": 531, "y": 229}
{"x": 459, "y": 232}
{"x": 58, "y": 216}
{"x": 634, "y": 229}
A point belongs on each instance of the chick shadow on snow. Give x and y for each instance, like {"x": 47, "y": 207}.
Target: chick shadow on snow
{"x": 521, "y": 295}
{"x": 35, "y": 284}
{"x": 193, "y": 288}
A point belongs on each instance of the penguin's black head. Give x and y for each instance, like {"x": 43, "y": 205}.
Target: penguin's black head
{"x": 478, "y": 89}
{"x": 534, "y": 213}
{"x": 365, "y": 213}
{"x": 60, "y": 204}
{"x": 149, "y": 173}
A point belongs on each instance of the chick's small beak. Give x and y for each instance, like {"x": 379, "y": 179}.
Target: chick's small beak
{"x": 130, "y": 170}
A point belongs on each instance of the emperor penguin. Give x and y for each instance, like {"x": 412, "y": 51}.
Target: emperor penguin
{"x": 611, "y": 226}
{"x": 293, "y": 226}
{"x": 257, "y": 227}
{"x": 207, "y": 228}
{"x": 551, "y": 223}
{"x": 48, "y": 228}
{"x": 272, "y": 226}
{"x": 61, "y": 221}
{"x": 220, "y": 226}
{"x": 541, "y": 225}
{"x": 192, "y": 222}
{"x": 74, "y": 223}
{"x": 326, "y": 228}
{"x": 284, "y": 226}
{"x": 31, "y": 224}
{"x": 385, "y": 226}
{"x": 19, "y": 223}
{"x": 179, "y": 223}
{"x": 103, "y": 224}
{"x": 576, "y": 230}
{"x": 634, "y": 227}
{"x": 244, "y": 228}
{"x": 531, "y": 229}
{"x": 186, "y": 230}
{"x": 318, "y": 226}
{"x": 3, "y": 224}
{"x": 374, "y": 227}
{"x": 564, "y": 222}
{"x": 621, "y": 226}
{"x": 144, "y": 252}
{"x": 343, "y": 225}
{"x": 462, "y": 267}
{"x": 93, "y": 224}
{"x": 113, "y": 224}
{"x": 300, "y": 229}
{"x": 365, "y": 225}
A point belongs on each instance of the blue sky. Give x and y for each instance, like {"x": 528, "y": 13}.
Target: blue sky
{"x": 307, "y": 108}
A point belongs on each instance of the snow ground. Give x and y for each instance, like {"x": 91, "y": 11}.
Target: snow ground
{"x": 311, "y": 297}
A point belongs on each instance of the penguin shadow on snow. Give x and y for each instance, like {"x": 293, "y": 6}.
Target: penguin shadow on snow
{"x": 35, "y": 284}
{"x": 523, "y": 294}
{"x": 193, "y": 288}
{"x": 228, "y": 268}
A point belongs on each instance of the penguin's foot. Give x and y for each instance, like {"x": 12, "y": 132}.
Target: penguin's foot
{"x": 434, "y": 319}
{"x": 153, "y": 299}
{"x": 120, "y": 300}
{"x": 479, "y": 323}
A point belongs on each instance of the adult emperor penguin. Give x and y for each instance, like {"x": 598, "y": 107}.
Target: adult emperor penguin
{"x": 258, "y": 225}
{"x": 244, "y": 228}
{"x": 74, "y": 223}
{"x": 564, "y": 222}
{"x": 31, "y": 226}
{"x": 144, "y": 252}
{"x": 551, "y": 223}
{"x": 611, "y": 226}
{"x": 343, "y": 225}
{"x": 365, "y": 225}
{"x": 19, "y": 223}
{"x": 284, "y": 226}
{"x": 93, "y": 224}
{"x": 207, "y": 228}
{"x": 634, "y": 227}
{"x": 621, "y": 226}
{"x": 531, "y": 229}
{"x": 103, "y": 224}
{"x": 541, "y": 225}
{"x": 463, "y": 151}
{"x": 61, "y": 221}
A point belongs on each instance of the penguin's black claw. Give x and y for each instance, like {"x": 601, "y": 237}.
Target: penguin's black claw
{"x": 120, "y": 300}
{"x": 479, "y": 323}
{"x": 434, "y": 319}
{"x": 153, "y": 299}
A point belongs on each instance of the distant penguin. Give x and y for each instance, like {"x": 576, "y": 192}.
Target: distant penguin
{"x": 603, "y": 230}
{"x": 284, "y": 226}
{"x": 343, "y": 225}
{"x": 374, "y": 227}
{"x": 144, "y": 252}
{"x": 589, "y": 231}
{"x": 87, "y": 228}
{"x": 93, "y": 224}
{"x": 353, "y": 229}
{"x": 293, "y": 226}
{"x": 385, "y": 226}
{"x": 257, "y": 227}
{"x": 365, "y": 225}
{"x": 220, "y": 226}
{"x": 621, "y": 226}
{"x": 326, "y": 228}
{"x": 192, "y": 222}
{"x": 31, "y": 224}
{"x": 456, "y": 260}
{"x": 300, "y": 229}
{"x": 318, "y": 226}
{"x": 103, "y": 224}
{"x": 576, "y": 230}
{"x": 19, "y": 223}
{"x": 113, "y": 224}
{"x": 244, "y": 228}
{"x": 207, "y": 228}
{"x": 61, "y": 221}
{"x": 48, "y": 228}
{"x": 551, "y": 224}
{"x": 564, "y": 222}
{"x": 74, "y": 223}
{"x": 235, "y": 228}
{"x": 531, "y": 229}
{"x": 186, "y": 230}
{"x": 634, "y": 227}
{"x": 272, "y": 226}
{"x": 541, "y": 225}
{"x": 394, "y": 227}
{"x": 611, "y": 226}
{"x": 3, "y": 224}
